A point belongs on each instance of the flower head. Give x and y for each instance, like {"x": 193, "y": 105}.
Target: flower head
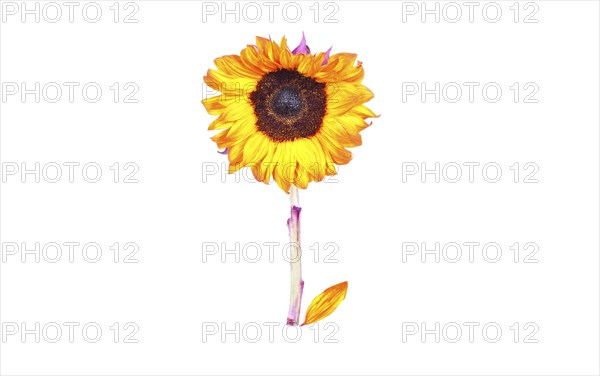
{"x": 288, "y": 115}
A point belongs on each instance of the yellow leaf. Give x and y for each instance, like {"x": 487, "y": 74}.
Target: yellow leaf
{"x": 325, "y": 303}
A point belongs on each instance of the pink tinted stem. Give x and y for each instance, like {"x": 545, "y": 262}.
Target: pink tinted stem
{"x": 297, "y": 284}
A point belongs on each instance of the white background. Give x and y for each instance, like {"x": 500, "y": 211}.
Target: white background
{"x": 369, "y": 212}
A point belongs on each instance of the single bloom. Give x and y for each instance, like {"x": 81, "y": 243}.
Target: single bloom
{"x": 288, "y": 115}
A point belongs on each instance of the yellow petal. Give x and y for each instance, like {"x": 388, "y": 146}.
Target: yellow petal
{"x": 345, "y": 58}
{"x": 256, "y": 149}
{"x": 285, "y": 56}
{"x": 219, "y": 123}
{"x": 234, "y": 66}
{"x": 325, "y": 303}
{"x": 279, "y": 170}
{"x": 346, "y": 134}
{"x": 339, "y": 155}
{"x": 319, "y": 169}
{"x": 242, "y": 128}
{"x": 214, "y": 105}
{"x": 249, "y": 57}
{"x": 364, "y": 112}
{"x": 238, "y": 111}
{"x": 343, "y": 96}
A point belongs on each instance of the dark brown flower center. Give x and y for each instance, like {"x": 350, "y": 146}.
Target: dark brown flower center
{"x": 289, "y": 105}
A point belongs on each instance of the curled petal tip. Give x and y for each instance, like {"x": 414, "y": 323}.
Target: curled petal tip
{"x": 302, "y": 47}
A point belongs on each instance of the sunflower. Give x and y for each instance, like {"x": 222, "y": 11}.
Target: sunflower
{"x": 288, "y": 115}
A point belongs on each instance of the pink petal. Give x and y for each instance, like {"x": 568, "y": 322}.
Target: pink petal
{"x": 302, "y": 47}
